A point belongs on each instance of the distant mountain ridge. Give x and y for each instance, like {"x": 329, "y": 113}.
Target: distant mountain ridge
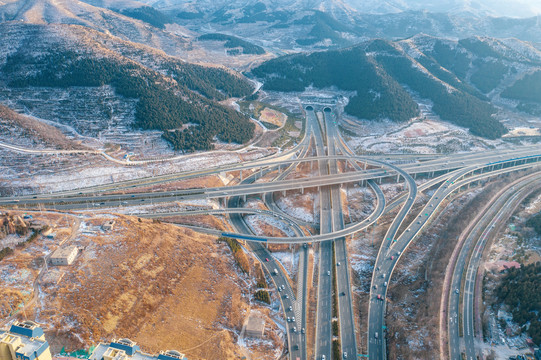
{"x": 498, "y": 8}
{"x": 327, "y": 23}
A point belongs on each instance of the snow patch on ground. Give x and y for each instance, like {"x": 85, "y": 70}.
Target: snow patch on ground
{"x": 288, "y": 206}
{"x": 255, "y": 222}
{"x": 289, "y": 261}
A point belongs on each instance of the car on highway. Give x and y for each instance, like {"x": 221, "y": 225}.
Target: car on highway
{"x": 343, "y": 293}
{"x": 385, "y": 284}
{"x": 302, "y": 331}
{"x": 279, "y": 288}
{"x": 290, "y": 308}
{"x": 266, "y": 259}
{"x": 392, "y": 257}
{"x": 379, "y": 297}
{"x": 345, "y": 354}
{"x": 288, "y": 319}
{"x": 457, "y": 291}
{"x": 376, "y": 335}
{"x": 375, "y": 286}
{"x": 328, "y": 273}
{"x": 338, "y": 263}
{"x": 322, "y": 357}
{"x": 286, "y": 296}
{"x": 294, "y": 329}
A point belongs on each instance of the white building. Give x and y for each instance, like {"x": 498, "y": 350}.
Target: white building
{"x": 64, "y": 256}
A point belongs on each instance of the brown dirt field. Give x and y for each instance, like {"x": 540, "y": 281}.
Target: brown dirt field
{"x": 207, "y": 221}
{"x": 47, "y": 133}
{"x": 163, "y": 286}
{"x": 272, "y": 116}
{"x": 268, "y": 138}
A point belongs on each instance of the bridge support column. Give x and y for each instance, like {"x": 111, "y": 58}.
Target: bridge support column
{"x": 398, "y": 178}
{"x": 241, "y": 176}
{"x": 244, "y": 197}
{"x": 364, "y": 166}
{"x": 379, "y": 181}
{"x": 302, "y": 190}
{"x": 284, "y": 193}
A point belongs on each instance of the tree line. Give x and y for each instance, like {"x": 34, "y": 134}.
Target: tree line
{"x": 519, "y": 289}
{"x": 234, "y": 42}
{"x": 535, "y": 223}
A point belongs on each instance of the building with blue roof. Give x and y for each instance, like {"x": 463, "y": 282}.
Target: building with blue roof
{"x": 126, "y": 349}
{"x": 24, "y": 340}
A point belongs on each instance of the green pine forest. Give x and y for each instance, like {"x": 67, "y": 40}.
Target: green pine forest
{"x": 384, "y": 78}
{"x": 187, "y": 95}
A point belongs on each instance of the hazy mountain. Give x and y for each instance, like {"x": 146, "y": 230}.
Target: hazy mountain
{"x": 290, "y": 24}
{"x": 497, "y": 8}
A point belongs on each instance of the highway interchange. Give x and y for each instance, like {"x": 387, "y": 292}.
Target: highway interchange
{"x": 337, "y": 166}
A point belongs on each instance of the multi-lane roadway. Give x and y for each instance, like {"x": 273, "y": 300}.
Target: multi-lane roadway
{"x": 448, "y": 174}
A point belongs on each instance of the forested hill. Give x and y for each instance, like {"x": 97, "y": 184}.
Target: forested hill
{"x": 457, "y": 77}
{"x": 171, "y": 94}
{"x": 519, "y": 290}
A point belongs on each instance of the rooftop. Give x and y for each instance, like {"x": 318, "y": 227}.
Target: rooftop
{"x": 64, "y": 252}
{"x": 127, "y": 349}
{"x": 30, "y": 335}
